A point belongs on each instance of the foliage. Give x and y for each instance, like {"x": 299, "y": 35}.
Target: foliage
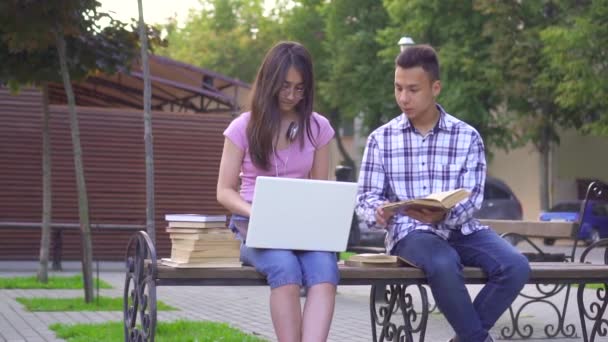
{"x": 576, "y": 50}
{"x": 28, "y": 51}
{"x": 178, "y": 331}
{"x": 357, "y": 81}
{"x": 54, "y": 282}
{"x": 220, "y": 37}
{"x": 78, "y": 304}
{"x": 470, "y": 79}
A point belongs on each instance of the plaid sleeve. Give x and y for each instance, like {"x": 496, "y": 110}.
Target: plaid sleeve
{"x": 473, "y": 179}
{"x": 372, "y": 178}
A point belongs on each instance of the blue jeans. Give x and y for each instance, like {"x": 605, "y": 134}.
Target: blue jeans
{"x": 442, "y": 261}
{"x": 282, "y": 267}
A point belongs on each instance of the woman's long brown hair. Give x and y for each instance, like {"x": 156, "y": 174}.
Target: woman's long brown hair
{"x": 265, "y": 120}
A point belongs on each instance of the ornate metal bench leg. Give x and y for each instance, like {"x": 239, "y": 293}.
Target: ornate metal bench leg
{"x": 394, "y": 299}
{"x": 139, "y": 296}
{"x": 545, "y": 292}
{"x": 596, "y": 310}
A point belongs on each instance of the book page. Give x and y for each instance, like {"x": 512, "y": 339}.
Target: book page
{"x": 437, "y": 201}
{"x": 449, "y": 198}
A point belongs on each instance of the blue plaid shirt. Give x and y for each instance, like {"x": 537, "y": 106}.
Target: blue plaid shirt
{"x": 399, "y": 163}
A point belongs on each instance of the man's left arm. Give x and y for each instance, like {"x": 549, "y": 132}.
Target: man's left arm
{"x": 473, "y": 179}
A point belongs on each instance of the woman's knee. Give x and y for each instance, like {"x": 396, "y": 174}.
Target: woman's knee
{"x": 319, "y": 267}
{"x": 281, "y": 267}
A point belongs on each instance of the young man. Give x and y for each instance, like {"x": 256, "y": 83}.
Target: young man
{"x": 426, "y": 150}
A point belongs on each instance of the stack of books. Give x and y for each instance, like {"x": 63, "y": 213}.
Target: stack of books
{"x": 201, "y": 241}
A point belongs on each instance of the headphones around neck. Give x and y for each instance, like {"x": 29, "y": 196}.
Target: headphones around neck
{"x": 292, "y": 131}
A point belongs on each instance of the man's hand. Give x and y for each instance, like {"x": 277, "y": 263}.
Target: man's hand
{"x": 425, "y": 215}
{"x": 382, "y": 216}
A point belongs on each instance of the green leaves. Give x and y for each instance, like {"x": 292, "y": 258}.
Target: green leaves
{"x": 28, "y": 45}
{"x": 510, "y": 68}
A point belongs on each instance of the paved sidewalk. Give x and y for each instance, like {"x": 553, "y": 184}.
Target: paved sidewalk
{"x": 244, "y": 307}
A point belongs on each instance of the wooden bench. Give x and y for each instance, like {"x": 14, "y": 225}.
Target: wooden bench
{"x": 57, "y": 234}
{"x": 144, "y": 274}
{"x": 523, "y": 231}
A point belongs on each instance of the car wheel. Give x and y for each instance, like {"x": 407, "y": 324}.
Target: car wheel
{"x": 549, "y": 242}
{"x": 594, "y": 236}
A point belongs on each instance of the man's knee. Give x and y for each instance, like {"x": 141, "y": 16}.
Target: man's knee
{"x": 516, "y": 270}
{"x": 443, "y": 266}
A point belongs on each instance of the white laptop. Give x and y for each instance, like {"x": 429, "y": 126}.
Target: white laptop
{"x": 301, "y": 214}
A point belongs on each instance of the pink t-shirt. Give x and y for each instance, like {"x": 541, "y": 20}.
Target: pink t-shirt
{"x": 291, "y": 162}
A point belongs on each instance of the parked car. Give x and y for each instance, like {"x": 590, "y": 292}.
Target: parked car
{"x": 594, "y": 224}
{"x": 500, "y": 203}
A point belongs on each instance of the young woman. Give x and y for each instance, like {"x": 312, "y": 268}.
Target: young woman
{"x": 282, "y": 137}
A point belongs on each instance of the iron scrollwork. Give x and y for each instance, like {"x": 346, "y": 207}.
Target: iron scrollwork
{"x": 394, "y": 300}
{"x": 595, "y": 310}
{"x": 545, "y": 291}
{"x": 542, "y": 296}
{"x": 139, "y": 297}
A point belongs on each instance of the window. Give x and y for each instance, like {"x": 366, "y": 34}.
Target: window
{"x": 599, "y": 209}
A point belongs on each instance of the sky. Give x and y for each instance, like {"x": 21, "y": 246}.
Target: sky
{"x": 155, "y": 11}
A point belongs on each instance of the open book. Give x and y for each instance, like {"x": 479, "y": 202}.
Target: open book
{"x": 439, "y": 201}
{"x": 377, "y": 260}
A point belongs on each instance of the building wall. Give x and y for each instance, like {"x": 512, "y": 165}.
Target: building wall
{"x": 578, "y": 157}
{"x": 575, "y": 159}
{"x": 187, "y": 150}
{"x": 520, "y": 170}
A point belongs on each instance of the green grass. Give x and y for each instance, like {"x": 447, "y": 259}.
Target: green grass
{"x": 346, "y": 255}
{"x": 178, "y": 331}
{"x": 78, "y": 304}
{"x": 592, "y": 286}
{"x": 54, "y": 282}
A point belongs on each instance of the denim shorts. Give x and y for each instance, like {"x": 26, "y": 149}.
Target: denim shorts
{"x": 283, "y": 267}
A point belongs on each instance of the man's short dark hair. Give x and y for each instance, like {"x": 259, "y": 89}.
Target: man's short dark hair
{"x": 420, "y": 56}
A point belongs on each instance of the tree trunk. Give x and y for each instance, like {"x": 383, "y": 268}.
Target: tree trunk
{"x": 334, "y": 119}
{"x": 545, "y": 174}
{"x": 45, "y": 236}
{"x": 83, "y": 203}
{"x": 148, "y": 138}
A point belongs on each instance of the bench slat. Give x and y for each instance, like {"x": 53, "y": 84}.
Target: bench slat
{"x": 541, "y": 272}
{"x": 542, "y": 229}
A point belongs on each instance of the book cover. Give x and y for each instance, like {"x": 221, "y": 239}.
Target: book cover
{"x": 226, "y": 235}
{"x": 202, "y": 225}
{"x": 439, "y": 201}
{"x": 201, "y": 264}
{"x": 195, "y": 218}
{"x": 206, "y": 253}
{"x": 194, "y": 245}
{"x": 199, "y": 231}
{"x": 377, "y": 260}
